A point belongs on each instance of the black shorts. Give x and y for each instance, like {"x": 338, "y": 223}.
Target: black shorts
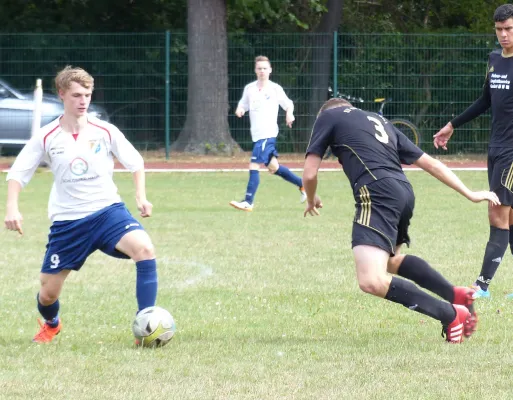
{"x": 383, "y": 212}
{"x": 500, "y": 173}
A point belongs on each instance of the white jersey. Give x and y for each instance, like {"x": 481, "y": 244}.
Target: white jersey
{"x": 82, "y": 166}
{"x": 263, "y": 105}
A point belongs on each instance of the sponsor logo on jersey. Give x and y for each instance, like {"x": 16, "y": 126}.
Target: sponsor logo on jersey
{"x": 55, "y": 151}
{"x": 78, "y": 166}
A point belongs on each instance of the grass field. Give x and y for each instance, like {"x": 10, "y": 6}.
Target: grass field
{"x": 266, "y": 303}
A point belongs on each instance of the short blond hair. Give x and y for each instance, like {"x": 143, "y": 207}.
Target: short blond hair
{"x": 262, "y": 58}
{"x": 334, "y": 103}
{"x": 73, "y": 74}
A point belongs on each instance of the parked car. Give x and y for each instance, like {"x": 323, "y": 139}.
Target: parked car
{"x": 16, "y": 114}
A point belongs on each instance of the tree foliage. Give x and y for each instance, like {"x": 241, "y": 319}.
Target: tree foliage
{"x": 409, "y": 16}
{"x": 247, "y": 15}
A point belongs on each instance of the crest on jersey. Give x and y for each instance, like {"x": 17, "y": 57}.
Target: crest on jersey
{"x": 79, "y": 166}
{"x": 491, "y": 69}
{"x": 95, "y": 146}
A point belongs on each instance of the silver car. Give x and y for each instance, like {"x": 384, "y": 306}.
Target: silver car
{"x": 16, "y": 114}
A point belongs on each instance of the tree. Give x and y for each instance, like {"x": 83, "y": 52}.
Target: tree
{"x": 322, "y": 50}
{"x": 206, "y": 126}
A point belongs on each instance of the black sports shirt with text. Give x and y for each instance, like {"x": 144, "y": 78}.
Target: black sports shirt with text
{"x": 366, "y": 144}
{"x": 497, "y": 94}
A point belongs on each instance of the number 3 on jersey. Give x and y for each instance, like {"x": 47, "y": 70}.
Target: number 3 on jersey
{"x": 380, "y": 134}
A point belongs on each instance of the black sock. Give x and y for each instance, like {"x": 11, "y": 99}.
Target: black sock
{"x": 406, "y": 293}
{"x": 419, "y": 271}
{"x": 495, "y": 249}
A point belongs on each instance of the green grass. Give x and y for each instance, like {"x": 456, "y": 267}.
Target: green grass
{"x": 266, "y": 303}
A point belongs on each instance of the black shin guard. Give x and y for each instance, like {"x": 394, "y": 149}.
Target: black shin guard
{"x": 419, "y": 271}
{"x": 406, "y": 293}
{"x": 495, "y": 249}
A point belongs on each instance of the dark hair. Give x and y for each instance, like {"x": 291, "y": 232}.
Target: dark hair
{"x": 502, "y": 13}
{"x": 334, "y": 103}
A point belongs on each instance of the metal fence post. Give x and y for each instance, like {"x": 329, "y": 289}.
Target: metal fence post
{"x": 167, "y": 107}
{"x": 335, "y": 63}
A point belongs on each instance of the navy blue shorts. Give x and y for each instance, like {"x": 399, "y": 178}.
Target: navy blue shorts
{"x": 383, "y": 212}
{"x": 263, "y": 151}
{"x": 71, "y": 242}
{"x": 500, "y": 173}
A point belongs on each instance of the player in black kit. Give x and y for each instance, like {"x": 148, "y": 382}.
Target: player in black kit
{"x": 497, "y": 94}
{"x": 371, "y": 151}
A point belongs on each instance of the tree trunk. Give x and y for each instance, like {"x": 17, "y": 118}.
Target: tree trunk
{"x": 206, "y": 127}
{"x": 322, "y": 50}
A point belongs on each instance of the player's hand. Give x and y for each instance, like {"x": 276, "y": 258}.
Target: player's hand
{"x": 441, "y": 138}
{"x": 289, "y": 119}
{"x": 13, "y": 221}
{"x": 239, "y": 112}
{"x": 312, "y": 208}
{"x": 477, "y": 197}
{"x": 145, "y": 207}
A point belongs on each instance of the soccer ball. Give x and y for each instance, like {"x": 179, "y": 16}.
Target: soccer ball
{"x": 153, "y": 327}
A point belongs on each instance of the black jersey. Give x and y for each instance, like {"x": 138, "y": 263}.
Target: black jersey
{"x": 367, "y": 145}
{"x": 499, "y": 84}
{"x": 497, "y": 94}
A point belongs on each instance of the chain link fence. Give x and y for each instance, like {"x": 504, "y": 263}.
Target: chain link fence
{"x": 142, "y": 79}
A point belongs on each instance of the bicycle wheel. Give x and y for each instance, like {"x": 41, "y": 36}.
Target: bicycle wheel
{"x": 409, "y": 130}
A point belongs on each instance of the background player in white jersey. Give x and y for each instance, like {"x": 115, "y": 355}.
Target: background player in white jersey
{"x": 262, "y": 98}
{"x": 84, "y": 206}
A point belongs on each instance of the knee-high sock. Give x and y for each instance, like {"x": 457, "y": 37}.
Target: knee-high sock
{"x": 419, "y": 271}
{"x": 146, "y": 283}
{"x": 253, "y": 182}
{"x": 495, "y": 249}
{"x": 406, "y": 293}
{"x": 289, "y": 176}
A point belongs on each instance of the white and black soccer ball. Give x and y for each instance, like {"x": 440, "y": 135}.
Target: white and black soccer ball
{"x": 153, "y": 327}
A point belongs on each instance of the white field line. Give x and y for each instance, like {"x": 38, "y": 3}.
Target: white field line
{"x": 203, "y": 271}
{"x": 292, "y": 169}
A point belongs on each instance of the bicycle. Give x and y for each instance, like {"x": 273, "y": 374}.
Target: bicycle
{"x": 408, "y": 128}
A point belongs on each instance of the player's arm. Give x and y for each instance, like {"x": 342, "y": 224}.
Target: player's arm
{"x": 13, "y": 217}
{"x": 483, "y": 103}
{"x": 18, "y": 177}
{"x": 287, "y": 105}
{"x": 132, "y": 160}
{"x": 319, "y": 141}
{"x": 445, "y": 175}
{"x": 310, "y": 172}
{"x": 243, "y": 105}
{"x": 144, "y": 206}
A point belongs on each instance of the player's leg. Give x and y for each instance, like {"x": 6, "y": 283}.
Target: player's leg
{"x": 500, "y": 176}
{"x": 122, "y": 236}
{"x": 69, "y": 245}
{"x": 511, "y": 230}
{"x": 371, "y": 269}
{"x": 380, "y": 208}
{"x": 48, "y": 305}
{"x": 275, "y": 168}
{"x": 138, "y": 246}
{"x": 253, "y": 180}
{"x": 419, "y": 271}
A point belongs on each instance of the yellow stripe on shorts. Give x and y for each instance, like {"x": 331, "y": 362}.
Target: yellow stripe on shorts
{"x": 365, "y": 212}
{"x": 509, "y": 178}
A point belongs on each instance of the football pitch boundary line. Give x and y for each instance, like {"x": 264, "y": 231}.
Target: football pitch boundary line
{"x": 201, "y": 170}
